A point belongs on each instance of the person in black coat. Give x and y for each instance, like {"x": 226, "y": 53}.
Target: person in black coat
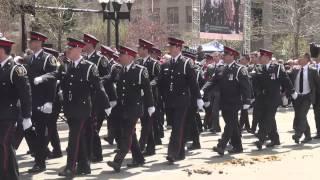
{"x": 270, "y": 78}
{"x": 14, "y": 87}
{"x": 177, "y": 84}
{"x": 43, "y": 95}
{"x": 132, "y": 80}
{"x": 234, "y": 85}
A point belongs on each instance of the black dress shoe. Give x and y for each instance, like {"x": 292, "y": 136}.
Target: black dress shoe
{"x": 306, "y": 140}
{"x": 258, "y": 144}
{"x": 37, "y": 169}
{"x": 66, "y": 173}
{"x": 83, "y": 171}
{"x": 109, "y": 140}
{"x": 135, "y": 164}
{"x": 96, "y": 159}
{"x": 213, "y": 131}
{"x": 272, "y": 144}
{"x": 55, "y": 155}
{"x": 116, "y": 166}
{"x": 148, "y": 153}
{"x": 219, "y": 150}
{"x": 116, "y": 150}
{"x": 170, "y": 159}
{"x": 317, "y": 136}
{"x": 235, "y": 151}
{"x": 296, "y": 138}
{"x": 194, "y": 146}
{"x": 181, "y": 158}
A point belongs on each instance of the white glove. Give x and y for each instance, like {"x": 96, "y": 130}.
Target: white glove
{"x": 46, "y": 108}
{"x": 246, "y": 106}
{"x": 294, "y": 95}
{"x": 151, "y": 110}
{"x": 200, "y": 104}
{"x": 206, "y": 104}
{"x": 202, "y": 93}
{"x": 26, "y": 123}
{"x": 108, "y": 111}
{"x": 153, "y": 83}
{"x": 38, "y": 80}
{"x": 113, "y": 103}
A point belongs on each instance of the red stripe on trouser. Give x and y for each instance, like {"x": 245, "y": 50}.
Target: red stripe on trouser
{"x": 182, "y": 130}
{"x": 5, "y": 151}
{"x": 77, "y": 148}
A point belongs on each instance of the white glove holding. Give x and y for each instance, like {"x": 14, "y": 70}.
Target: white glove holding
{"x": 202, "y": 93}
{"x": 108, "y": 111}
{"x": 46, "y": 108}
{"x": 294, "y": 95}
{"x": 200, "y": 104}
{"x": 153, "y": 83}
{"x": 151, "y": 110}
{"x": 38, "y": 80}
{"x": 246, "y": 106}
{"x": 206, "y": 104}
{"x": 113, "y": 103}
{"x": 26, "y": 123}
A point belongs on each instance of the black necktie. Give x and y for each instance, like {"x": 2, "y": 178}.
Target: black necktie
{"x": 301, "y": 81}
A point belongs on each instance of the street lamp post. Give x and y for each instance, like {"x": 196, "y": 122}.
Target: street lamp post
{"x": 116, "y": 14}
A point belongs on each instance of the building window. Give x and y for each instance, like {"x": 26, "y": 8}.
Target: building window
{"x": 189, "y": 14}
{"x": 173, "y": 15}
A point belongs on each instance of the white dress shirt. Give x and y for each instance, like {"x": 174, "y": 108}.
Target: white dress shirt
{"x": 177, "y": 57}
{"x": 77, "y": 61}
{"x": 37, "y": 53}
{"x": 306, "y": 85}
{"x": 89, "y": 55}
{"x": 145, "y": 59}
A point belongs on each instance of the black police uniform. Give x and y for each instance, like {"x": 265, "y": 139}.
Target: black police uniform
{"x": 129, "y": 108}
{"x": 98, "y": 115}
{"x": 42, "y": 93}
{"x": 234, "y": 86}
{"x": 78, "y": 84}
{"x": 177, "y": 84}
{"x": 270, "y": 80}
{"x": 211, "y": 119}
{"x": 192, "y": 131}
{"x": 150, "y": 124}
{"x": 14, "y": 86}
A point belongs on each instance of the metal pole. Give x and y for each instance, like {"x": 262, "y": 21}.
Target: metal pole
{"x": 23, "y": 33}
{"x": 117, "y": 31}
{"x": 109, "y": 27}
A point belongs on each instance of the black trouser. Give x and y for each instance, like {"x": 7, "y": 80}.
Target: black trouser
{"x": 8, "y": 167}
{"x": 53, "y": 135}
{"x": 29, "y": 135}
{"x": 316, "y": 111}
{"x": 244, "y": 119}
{"x": 176, "y": 144}
{"x": 128, "y": 141}
{"x": 191, "y": 126}
{"x": 147, "y": 135}
{"x": 267, "y": 124}
{"x": 96, "y": 149}
{"x": 77, "y": 146}
{"x": 256, "y": 114}
{"x": 215, "y": 112}
{"x": 231, "y": 129}
{"x": 40, "y": 121}
{"x": 301, "y": 108}
{"x": 158, "y": 124}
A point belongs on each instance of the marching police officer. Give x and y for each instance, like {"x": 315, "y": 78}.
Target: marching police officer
{"x": 53, "y": 135}
{"x": 109, "y": 80}
{"x": 43, "y": 94}
{"x": 131, "y": 81}
{"x": 234, "y": 85}
{"x": 14, "y": 87}
{"x": 149, "y": 125}
{"x": 98, "y": 114}
{"x": 79, "y": 79}
{"x": 271, "y": 77}
{"x": 177, "y": 84}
